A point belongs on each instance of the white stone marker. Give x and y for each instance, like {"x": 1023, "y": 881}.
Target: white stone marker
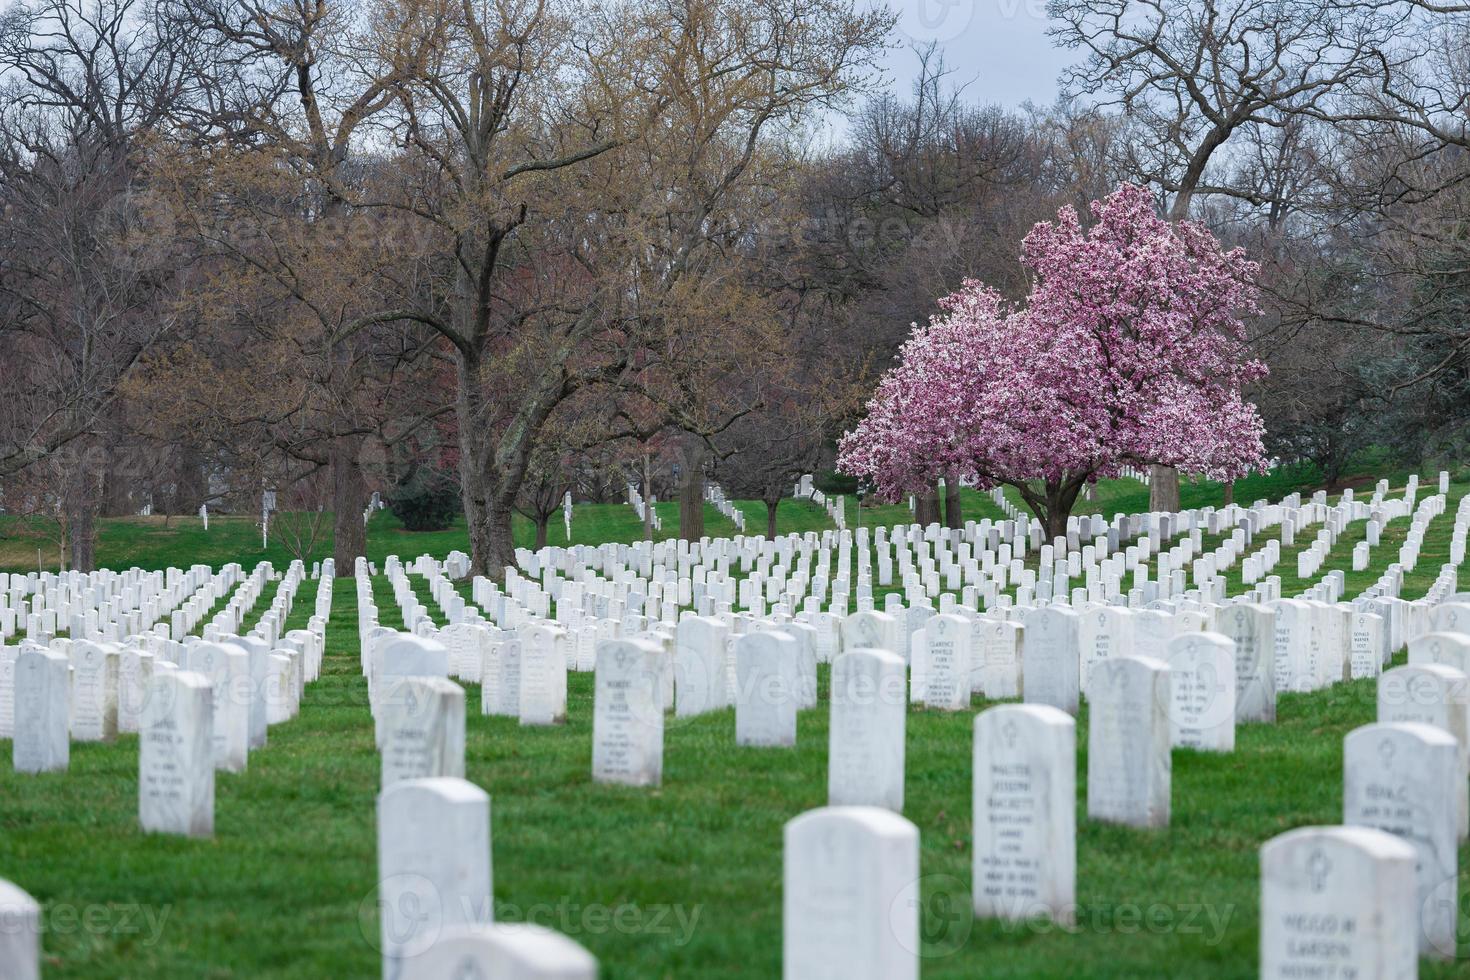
{"x": 1000, "y": 662}
{"x": 1050, "y": 659}
{"x": 93, "y": 692}
{"x": 850, "y": 902}
{"x": 1253, "y": 630}
{"x": 1432, "y": 694}
{"x": 1293, "y": 622}
{"x": 699, "y": 666}
{"x": 280, "y": 686}
{"x": 500, "y": 679}
{"x": 228, "y": 669}
{"x": 947, "y": 662}
{"x": 403, "y": 655}
{"x": 20, "y": 933}
{"x": 42, "y": 692}
{"x": 423, "y": 728}
{"x": 1128, "y": 761}
{"x": 8, "y": 656}
{"x": 1202, "y": 685}
{"x": 434, "y": 869}
{"x": 1450, "y": 649}
{"x": 505, "y": 951}
{"x": 259, "y": 653}
{"x": 462, "y": 641}
{"x": 176, "y": 755}
{"x": 628, "y": 713}
{"x": 134, "y": 677}
{"x": 1401, "y": 777}
{"x": 872, "y": 630}
{"x": 1338, "y": 902}
{"x": 1366, "y": 649}
{"x": 765, "y": 696}
{"x": 865, "y": 755}
{"x": 806, "y": 663}
{"x": 1104, "y": 632}
{"x": 543, "y": 675}
{"x": 1025, "y": 813}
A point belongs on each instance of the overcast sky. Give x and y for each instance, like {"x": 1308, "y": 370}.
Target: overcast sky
{"x": 998, "y": 47}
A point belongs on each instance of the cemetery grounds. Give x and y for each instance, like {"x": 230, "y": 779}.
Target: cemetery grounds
{"x": 679, "y": 881}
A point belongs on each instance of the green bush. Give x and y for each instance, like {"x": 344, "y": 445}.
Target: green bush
{"x": 831, "y": 482}
{"x": 425, "y": 504}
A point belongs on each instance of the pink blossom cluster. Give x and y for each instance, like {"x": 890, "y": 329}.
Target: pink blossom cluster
{"x": 1129, "y": 350}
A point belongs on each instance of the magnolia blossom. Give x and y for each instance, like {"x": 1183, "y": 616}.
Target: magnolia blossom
{"x": 1128, "y": 351}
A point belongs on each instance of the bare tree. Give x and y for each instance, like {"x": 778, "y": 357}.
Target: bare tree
{"x": 85, "y": 281}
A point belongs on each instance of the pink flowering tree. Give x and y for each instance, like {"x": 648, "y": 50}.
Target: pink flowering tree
{"x": 1129, "y": 351}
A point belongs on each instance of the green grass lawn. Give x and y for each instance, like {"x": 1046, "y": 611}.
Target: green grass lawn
{"x": 682, "y": 881}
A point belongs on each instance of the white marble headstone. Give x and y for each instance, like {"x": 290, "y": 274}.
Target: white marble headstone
{"x": 865, "y": 755}
{"x": 1025, "y": 813}
{"x": 850, "y": 901}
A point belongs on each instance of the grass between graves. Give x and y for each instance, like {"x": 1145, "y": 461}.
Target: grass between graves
{"x": 683, "y": 881}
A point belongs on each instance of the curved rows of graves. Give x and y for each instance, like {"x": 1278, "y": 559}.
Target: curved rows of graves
{"x": 1134, "y": 614}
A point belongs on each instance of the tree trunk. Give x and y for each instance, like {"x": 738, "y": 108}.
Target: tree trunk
{"x": 83, "y": 526}
{"x": 691, "y": 493}
{"x": 115, "y": 493}
{"x": 349, "y": 500}
{"x": 1060, "y": 499}
{"x": 953, "y": 514}
{"x": 771, "y": 506}
{"x": 487, "y": 506}
{"x": 80, "y": 500}
{"x": 190, "y": 483}
{"x": 1229, "y": 492}
{"x": 541, "y": 523}
{"x": 647, "y": 497}
{"x": 492, "y": 543}
{"x": 926, "y": 507}
{"x": 1163, "y": 490}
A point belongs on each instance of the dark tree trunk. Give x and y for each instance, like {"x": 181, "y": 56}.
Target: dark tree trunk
{"x": 80, "y": 501}
{"x": 487, "y": 510}
{"x": 1053, "y": 504}
{"x": 190, "y": 483}
{"x": 1163, "y": 489}
{"x": 1332, "y": 469}
{"x": 691, "y": 493}
{"x": 1229, "y": 492}
{"x": 926, "y": 507}
{"x": 647, "y": 497}
{"x": 1060, "y": 499}
{"x": 115, "y": 491}
{"x": 541, "y": 524}
{"x": 349, "y": 500}
{"x": 492, "y": 544}
{"x": 82, "y": 523}
{"x": 771, "y": 506}
{"x": 953, "y": 514}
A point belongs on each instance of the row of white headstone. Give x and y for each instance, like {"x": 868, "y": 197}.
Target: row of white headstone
{"x": 1325, "y": 645}
{"x": 646, "y": 511}
{"x": 606, "y": 582}
{"x": 1407, "y": 779}
{"x": 716, "y": 496}
{"x": 91, "y": 689}
{"x": 198, "y": 704}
